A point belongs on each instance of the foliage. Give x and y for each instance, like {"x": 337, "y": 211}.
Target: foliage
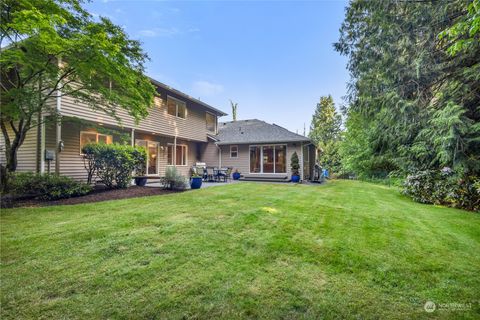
{"x": 114, "y": 164}
{"x": 46, "y": 186}
{"x": 54, "y": 48}
{"x": 234, "y": 110}
{"x": 174, "y": 180}
{"x": 243, "y": 250}
{"x": 465, "y": 32}
{"x": 326, "y": 122}
{"x": 413, "y": 98}
{"x": 445, "y": 188}
{"x": 294, "y": 163}
{"x": 325, "y": 132}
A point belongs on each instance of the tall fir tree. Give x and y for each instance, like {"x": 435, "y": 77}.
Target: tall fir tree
{"x": 325, "y": 132}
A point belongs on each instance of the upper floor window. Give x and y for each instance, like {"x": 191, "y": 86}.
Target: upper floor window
{"x": 176, "y": 107}
{"x": 233, "y": 151}
{"x": 93, "y": 137}
{"x": 211, "y": 122}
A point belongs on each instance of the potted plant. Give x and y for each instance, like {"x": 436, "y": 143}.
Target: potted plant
{"x": 236, "y": 175}
{"x": 140, "y": 170}
{"x": 195, "y": 180}
{"x": 295, "y": 166}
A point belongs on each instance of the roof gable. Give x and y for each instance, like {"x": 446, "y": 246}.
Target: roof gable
{"x": 255, "y": 131}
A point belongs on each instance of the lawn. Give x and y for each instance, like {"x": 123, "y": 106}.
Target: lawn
{"x": 342, "y": 250}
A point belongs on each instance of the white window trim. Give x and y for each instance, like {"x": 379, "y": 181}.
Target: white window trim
{"x": 236, "y": 146}
{"x": 261, "y": 158}
{"x": 186, "y": 155}
{"x": 96, "y": 141}
{"x": 176, "y": 108}
{"x": 214, "y": 122}
{"x": 157, "y": 144}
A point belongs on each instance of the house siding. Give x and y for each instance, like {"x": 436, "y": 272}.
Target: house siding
{"x": 193, "y": 127}
{"x": 210, "y": 155}
{"x": 242, "y": 162}
{"x": 27, "y": 153}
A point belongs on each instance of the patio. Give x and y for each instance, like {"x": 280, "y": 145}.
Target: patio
{"x": 205, "y": 184}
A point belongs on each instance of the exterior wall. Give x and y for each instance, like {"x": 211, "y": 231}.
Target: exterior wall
{"x": 27, "y": 153}
{"x": 210, "y": 155}
{"x": 242, "y": 162}
{"x": 193, "y": 127}
{"x": 71, "y": 161}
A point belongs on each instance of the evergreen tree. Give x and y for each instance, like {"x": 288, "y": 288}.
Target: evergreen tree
{"x": 414, "y": 87}
{"x": 325, "y": 131}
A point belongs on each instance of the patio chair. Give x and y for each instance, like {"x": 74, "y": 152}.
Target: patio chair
{"x": 225, "y": 173}
{"x": 210, "y": 174}
{"x": 202, "y": 173}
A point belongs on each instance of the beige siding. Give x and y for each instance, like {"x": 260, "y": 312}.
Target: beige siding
{"x": 71, "y": 161}
{"x": 210, "y": 154}
{"x": 27, "y": 153}
{"x": 242, "y": 162}
{"x": 193, "y": 127}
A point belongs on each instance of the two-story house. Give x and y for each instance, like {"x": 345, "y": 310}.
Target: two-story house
{"x": 179, "y": 131}
{"x": 175, "y": 133}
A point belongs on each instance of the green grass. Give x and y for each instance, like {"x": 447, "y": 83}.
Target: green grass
{"x": 347, "y": 249}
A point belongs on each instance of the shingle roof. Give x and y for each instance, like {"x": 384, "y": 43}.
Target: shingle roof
{"x": 254, "y": 131}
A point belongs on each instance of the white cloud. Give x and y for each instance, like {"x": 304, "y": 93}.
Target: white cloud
{"x": 165, "y": 32}
{"x": 205, "y": 88}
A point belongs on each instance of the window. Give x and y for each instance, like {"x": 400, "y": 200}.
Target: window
{"x": 268, "y": 159}
{"x": 233, "y": 151}
{"x": 93, "y": 137}
{"x": 211, "y": 122}
{"x": 176, "y": 107}
{"x": 180, "y": 155}
{"x": 255, "y": 160}
{"x": 152, "y": 155}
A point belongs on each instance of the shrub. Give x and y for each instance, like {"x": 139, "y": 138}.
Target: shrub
{"x": 174, "y": 180}
{"x": 444, "y": 187}
{"x": 114, "y": 163}
{"x": 294, "y": 163}
{"x": 46, "y": 186}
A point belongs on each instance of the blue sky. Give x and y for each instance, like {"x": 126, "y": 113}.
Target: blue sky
{"x": 275, "y": 58}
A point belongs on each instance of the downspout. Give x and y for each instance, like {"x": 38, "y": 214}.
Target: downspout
{"x": 58, "y": 134}
{"x": 133, "y": 137}
{"x": 174, "y": 160}
{"x": 219, "y": 155}
{"x": 309, "y": 158}
{"x": 301, "y": 165}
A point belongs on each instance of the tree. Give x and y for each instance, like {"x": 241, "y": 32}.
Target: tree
{"x": 234, "y": 110}
{"x": 325, "y": 131}
{"x": 54, "y": 48}
{"x": 414, "y": 85}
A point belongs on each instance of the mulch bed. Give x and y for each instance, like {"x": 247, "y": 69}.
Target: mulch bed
{"x": 99, "y": 194}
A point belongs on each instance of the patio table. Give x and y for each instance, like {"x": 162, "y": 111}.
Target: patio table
{"x": 220, "y": 172}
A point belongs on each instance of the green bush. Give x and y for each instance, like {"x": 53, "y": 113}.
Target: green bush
{"x": 114, "y": 164}
{"x": 174, "y": 180}
{"x": 46, "y": 186}
{"x": 294, "y": 163}
{"x": 444, "y": 187}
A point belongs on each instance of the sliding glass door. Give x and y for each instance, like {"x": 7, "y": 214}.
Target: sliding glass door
{"x": 152, "y": 155}
{"x": 268, "y": 159}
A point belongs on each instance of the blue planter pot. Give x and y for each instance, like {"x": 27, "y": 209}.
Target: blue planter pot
{"x": 141, "y": 182}
{"x": 295, "y": 178}
{"x": 236, "y": 175}
{"x": 196, "y": 183}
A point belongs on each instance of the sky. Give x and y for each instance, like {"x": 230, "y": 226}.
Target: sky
{"x": 274, "y": 58}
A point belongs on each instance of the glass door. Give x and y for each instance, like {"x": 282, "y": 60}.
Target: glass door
{"x": 152, "y": 163}
{"x": 152, "y": 155}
